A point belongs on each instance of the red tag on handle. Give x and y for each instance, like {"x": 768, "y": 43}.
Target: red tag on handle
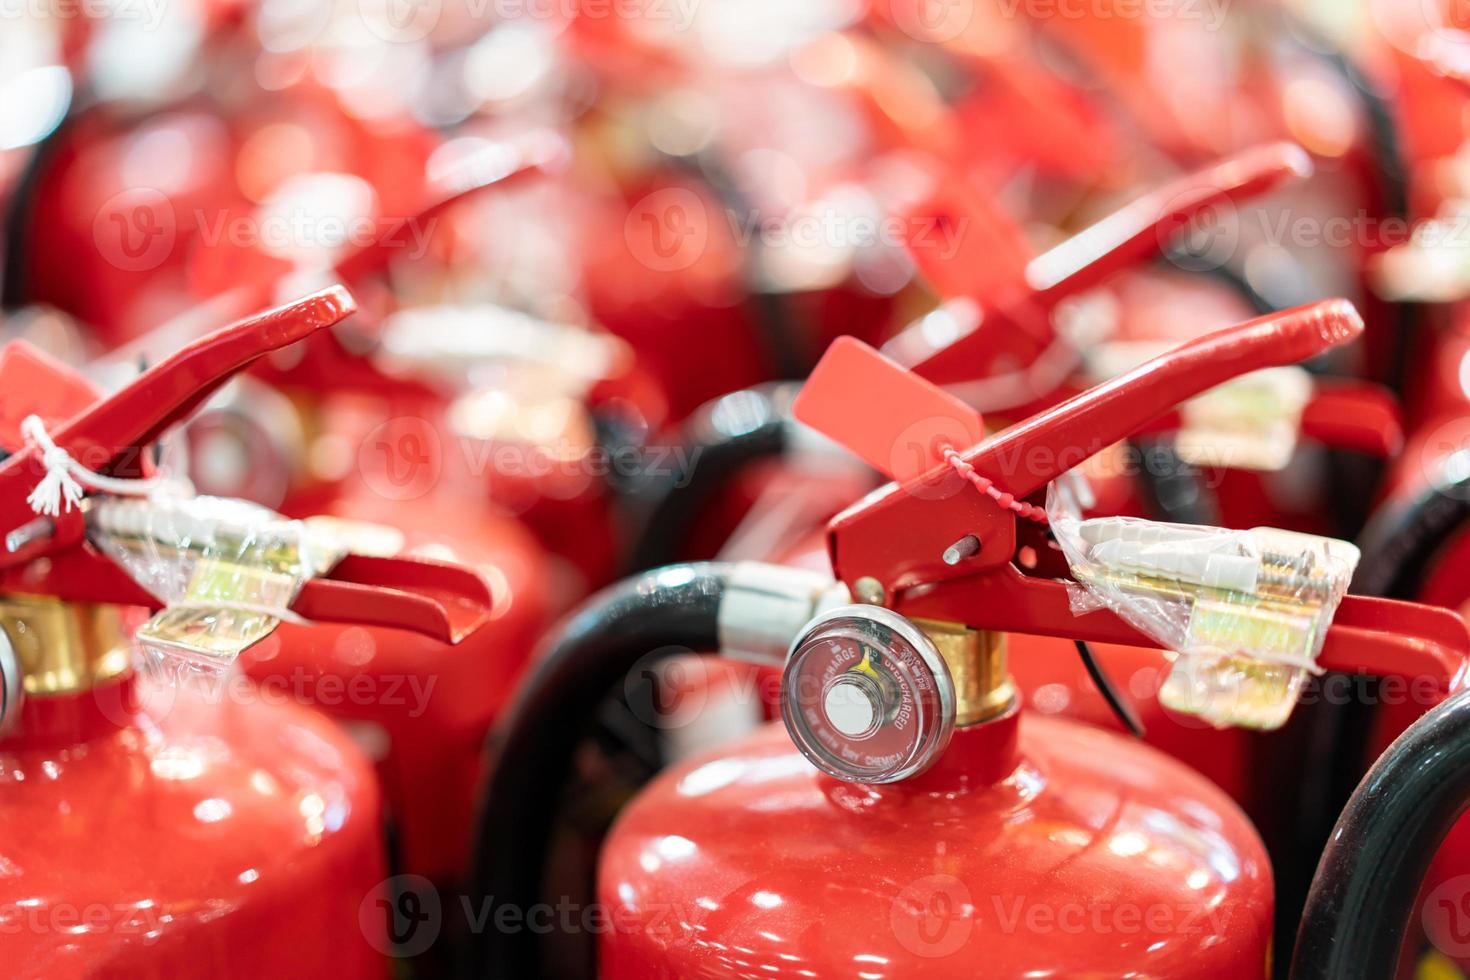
{"x": 894, "y": 420}
{"x": 33, "y": 382}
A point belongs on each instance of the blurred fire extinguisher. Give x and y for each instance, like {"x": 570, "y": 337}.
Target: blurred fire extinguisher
{"x": 159, "y": 829}
{"x": 908, "y": 812}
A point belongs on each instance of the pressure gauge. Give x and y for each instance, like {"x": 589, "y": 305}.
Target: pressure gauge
{"x": 866, "y": 696}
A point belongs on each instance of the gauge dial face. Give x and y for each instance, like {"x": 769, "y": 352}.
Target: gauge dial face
{"x": 866, "y": 697}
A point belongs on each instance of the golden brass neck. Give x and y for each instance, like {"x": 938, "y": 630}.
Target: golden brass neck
{"x": 64, "y": 647}
{"x": 977, "y": 664}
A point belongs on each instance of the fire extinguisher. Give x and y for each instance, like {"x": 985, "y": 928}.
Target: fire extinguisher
{"x": 158, "y": 831}
{"x": 321, "y": 430}
{"x": 908, "y": 812}
{"x": 1003, "y": 354}
{"x": 503, "y": 407}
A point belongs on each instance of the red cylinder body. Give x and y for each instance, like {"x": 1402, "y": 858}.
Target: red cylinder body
{"x": 421, "y": 709}
{"x": 181, "y": 838}
{"x": 1035, "y": 847}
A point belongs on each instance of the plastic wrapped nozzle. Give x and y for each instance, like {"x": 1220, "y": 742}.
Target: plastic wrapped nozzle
{"x": 1245, "y": 611}
{"x": 225, "y": 570}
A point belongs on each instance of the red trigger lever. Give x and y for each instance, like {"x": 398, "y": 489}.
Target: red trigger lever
{"x": 52, "y": 556}
{"x": 901, "y": 541}
{"x": 1018, "y": 291}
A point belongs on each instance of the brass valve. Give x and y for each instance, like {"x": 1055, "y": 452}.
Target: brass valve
{"x": 977, "y": 665}
{"x": 64, "y": 647}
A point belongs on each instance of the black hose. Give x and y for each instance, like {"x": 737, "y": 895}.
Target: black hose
{"x": 1121, "y": 709}
{"x": 668, "y": 612}
{"x": 1401, "y": 542}
{"x": 777, "y": 321}
{"x": 719, "y": 440}
{"x": 16, "y": 228}
{"x": 1362, "y": 898}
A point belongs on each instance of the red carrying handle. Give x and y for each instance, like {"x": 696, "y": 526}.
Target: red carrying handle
{"x": 1116, "y": 409}
{"x": 1126, "y": 237}
{"x": 899, "y": 536}
{"x": 110, "y": 435}
{"x": 1140, "y": 229}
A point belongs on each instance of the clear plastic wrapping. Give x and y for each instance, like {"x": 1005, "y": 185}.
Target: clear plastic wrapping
{"x": 1244, "y": 611}
{"x": 226, "y": 571}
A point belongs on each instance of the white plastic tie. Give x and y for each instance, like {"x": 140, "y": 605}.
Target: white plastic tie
{"x": 66, "y": 481}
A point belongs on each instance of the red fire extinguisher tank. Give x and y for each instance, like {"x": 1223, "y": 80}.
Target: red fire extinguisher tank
{"x": 162, "y": 835}
{"x": 1036, "y": 847}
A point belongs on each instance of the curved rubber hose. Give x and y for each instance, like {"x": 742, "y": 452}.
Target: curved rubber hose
{"x": 1362, "y": 897}
{"x": 1400, "y": 541}
{"x": 20, "y": 210}
{"x": 720, "y": 440}
{"x": 1121, "y": 709}
{"x": 671, "y": 611}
